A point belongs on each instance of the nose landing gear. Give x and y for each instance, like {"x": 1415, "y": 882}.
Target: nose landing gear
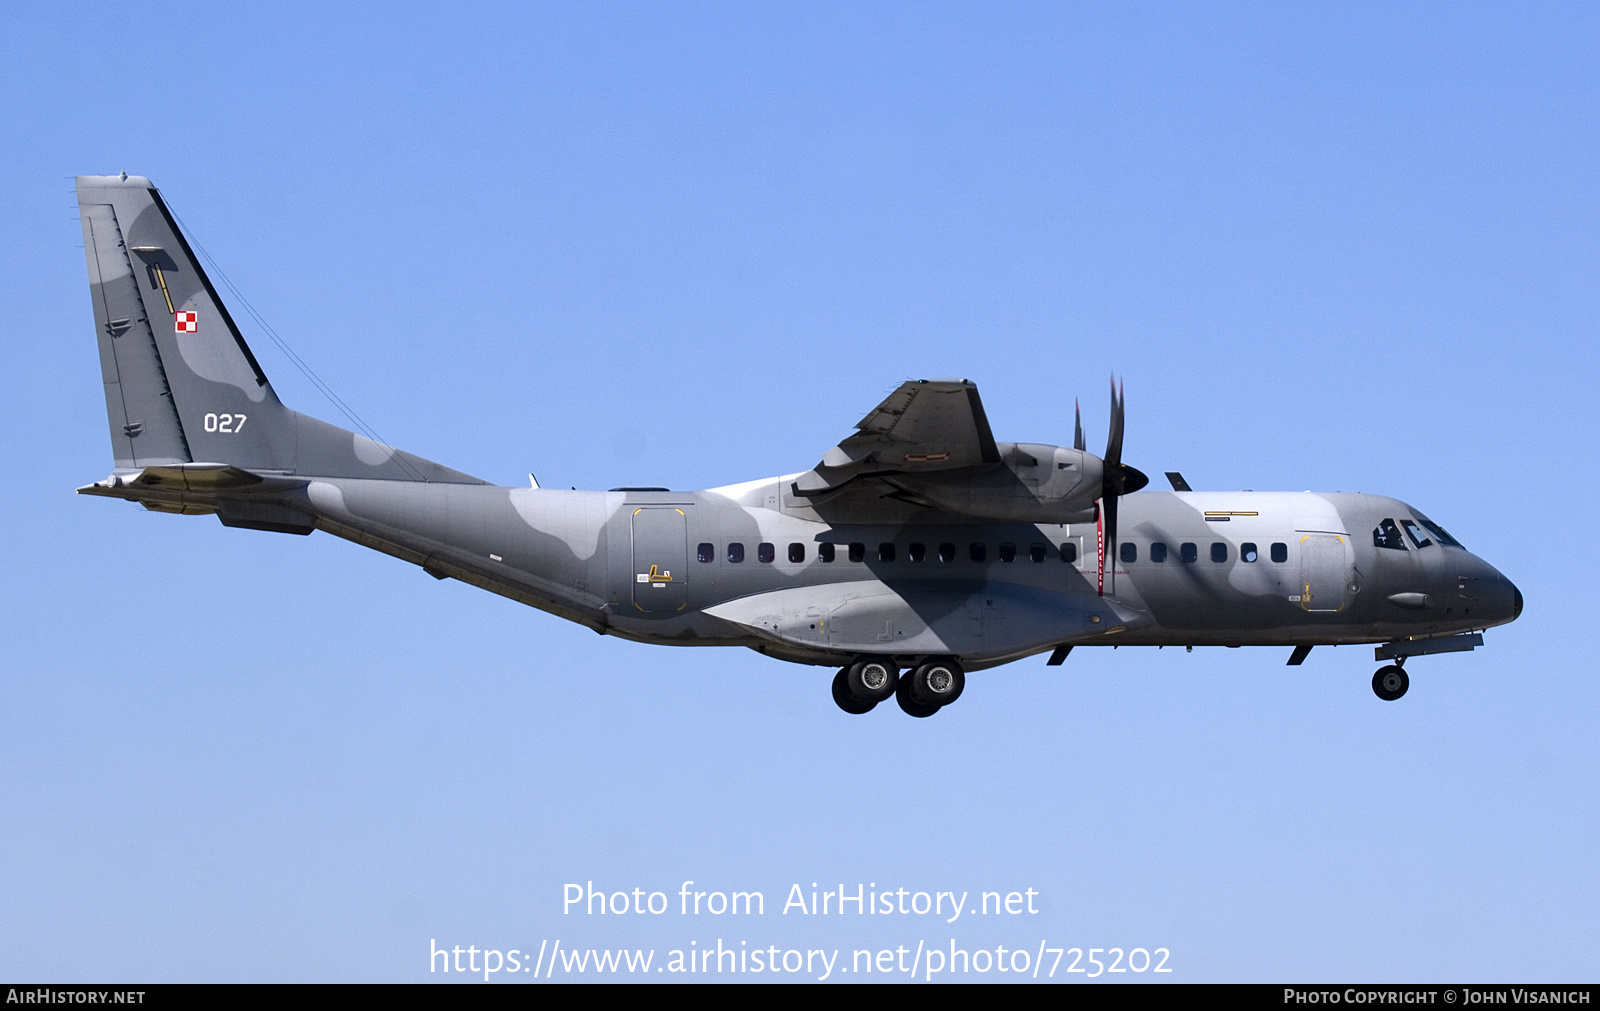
{"x": 1390, "y": 682}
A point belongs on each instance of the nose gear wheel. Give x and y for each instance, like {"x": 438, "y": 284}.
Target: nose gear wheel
{"x": 1390, "y": 683}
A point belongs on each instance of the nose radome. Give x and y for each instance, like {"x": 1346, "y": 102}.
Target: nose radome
{"x": 1516, "y": 602}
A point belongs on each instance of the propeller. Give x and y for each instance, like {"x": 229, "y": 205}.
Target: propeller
{"x": 1117, "y": 479}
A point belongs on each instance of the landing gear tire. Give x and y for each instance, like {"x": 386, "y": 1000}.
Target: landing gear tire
{"x": 871, "y": 679}
{"x": 911, "y": 707}
{"x": 937, "y": 683}
{"x": 841, "y": 696}
{"x": 1390, "y": 683}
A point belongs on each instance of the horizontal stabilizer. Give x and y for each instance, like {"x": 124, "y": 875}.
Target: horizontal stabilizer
{"x": 196, "y": 477}
{"x": 237, "y": 496}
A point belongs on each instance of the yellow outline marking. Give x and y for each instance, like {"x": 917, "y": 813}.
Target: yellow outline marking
{"x": 164, "y": 293}
{"x": 1223, "y": 512}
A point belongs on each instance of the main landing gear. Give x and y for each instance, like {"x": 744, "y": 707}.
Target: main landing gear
{"x": 928, "y": 687}
{"x": 1390, "y": 682}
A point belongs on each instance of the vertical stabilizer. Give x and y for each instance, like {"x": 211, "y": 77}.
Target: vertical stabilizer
{"x": 182, "y": 386}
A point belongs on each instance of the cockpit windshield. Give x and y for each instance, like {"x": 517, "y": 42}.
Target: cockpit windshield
{"x": 1435, "y": 529}
{"x": 1418, "y": 538}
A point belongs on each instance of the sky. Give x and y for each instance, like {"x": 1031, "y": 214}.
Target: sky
{"x": 1334, "y": 247}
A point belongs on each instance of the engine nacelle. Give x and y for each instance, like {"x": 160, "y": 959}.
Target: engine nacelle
{"x": 1033, "y": 483}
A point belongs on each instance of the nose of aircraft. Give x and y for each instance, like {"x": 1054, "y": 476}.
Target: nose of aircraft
{"x": 1504, "y": 599}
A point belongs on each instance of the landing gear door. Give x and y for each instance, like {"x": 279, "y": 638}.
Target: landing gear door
{"x": 1327, "y": 572}
{"x": 660, "y": 559}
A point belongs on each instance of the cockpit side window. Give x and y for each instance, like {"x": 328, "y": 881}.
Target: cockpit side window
{"x": 1418, "y": 538}
{"x": 1440, "y": 533}
{"x": 1387, "y": 535}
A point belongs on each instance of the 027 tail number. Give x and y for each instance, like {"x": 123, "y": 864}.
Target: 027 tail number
{"x": 227, "y": 423}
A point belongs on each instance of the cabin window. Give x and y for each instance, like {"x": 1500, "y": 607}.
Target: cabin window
{"x": 1219, "y": 551}
{"x": 947, "y": 552}
{"x": 797, "y": 552}
{"x": 916, "y": 552}
{"x": 1247, "y": 552}
{"x": 1069, "y": 551}
{"x": 825, "y": 552}
{"x": 1036, "y": 552}
{"x": 1387, "y": 535}
{"x": 1188, "y": 552}
{"x": 1418, "y": 538}
{"x": 1008, "y": 552}
{"x": 1129, "y": 552}
{"x": 886, "y": 552}
{"x": 858, "y": 551}
{"x": 1158, "y": 552}
{"x": 735, "y": 551}
{"x": 766, "y": 552}
{"x": 706, "y": 552}
{"x": 977, "y": 551}
{"x": 1280, "y": 552}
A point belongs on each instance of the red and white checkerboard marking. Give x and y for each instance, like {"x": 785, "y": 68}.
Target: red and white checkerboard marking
{"x": 186, "y": 321}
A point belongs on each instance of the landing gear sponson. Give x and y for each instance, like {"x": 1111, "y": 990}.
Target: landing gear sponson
{"x": 928, "y": 687}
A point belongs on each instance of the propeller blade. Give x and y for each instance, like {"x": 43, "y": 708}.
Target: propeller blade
{"x": 1078, "y": 441}
{"x": 1114, "y": 440}
{"x": 1117, "y": 479}
{"x": 1109, "y": 511}
{"x": 1110, "y": 506}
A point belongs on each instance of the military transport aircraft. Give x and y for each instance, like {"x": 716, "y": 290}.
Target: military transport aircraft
{"x": 917, "y": 549}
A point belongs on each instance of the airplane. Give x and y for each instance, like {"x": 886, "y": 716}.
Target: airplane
{"x": 917, "y": 549}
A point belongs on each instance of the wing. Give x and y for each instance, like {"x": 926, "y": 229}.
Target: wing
{"x": 925, "y": 425}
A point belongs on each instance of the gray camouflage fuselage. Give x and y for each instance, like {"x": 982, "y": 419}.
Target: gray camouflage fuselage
{"x": 581, "y": 555}
{"x": 943, "y": 542}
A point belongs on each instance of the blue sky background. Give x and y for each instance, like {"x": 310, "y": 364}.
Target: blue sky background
{"x": 1344, "y": 247}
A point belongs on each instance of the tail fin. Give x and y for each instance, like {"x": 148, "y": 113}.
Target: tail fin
{"x": 182, "y": 386}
